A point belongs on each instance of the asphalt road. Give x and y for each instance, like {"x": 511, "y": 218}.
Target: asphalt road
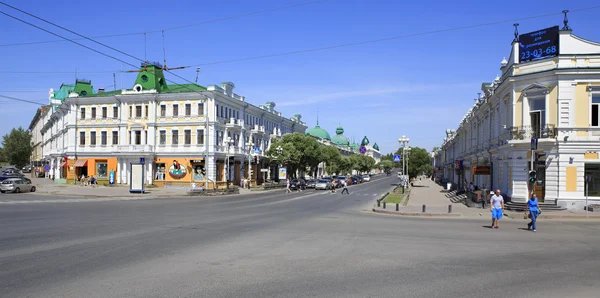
{"x": 309, "y": 244}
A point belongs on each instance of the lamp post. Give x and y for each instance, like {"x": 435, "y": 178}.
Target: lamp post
{"x": 407, "y": 156}
{"x": 403, "y": 141}
{"x": 228, "y": 142}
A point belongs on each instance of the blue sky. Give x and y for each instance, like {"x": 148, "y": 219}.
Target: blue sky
{"x": 416, "y": 86}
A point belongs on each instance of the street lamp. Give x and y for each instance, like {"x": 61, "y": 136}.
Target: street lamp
{"x": 228, "y": 141}
{"x": 403, "y": 141}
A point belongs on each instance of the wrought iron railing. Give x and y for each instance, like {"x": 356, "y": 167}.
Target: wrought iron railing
{"x": 527, "y": 132}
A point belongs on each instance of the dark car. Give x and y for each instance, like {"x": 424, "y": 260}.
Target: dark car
{"x": 359, "y": 178}
{"x": 26, "y": 169}
{"x": 298, "y": 184}
{"x": 311, "y": 183}
{"x": 354, "y": 180}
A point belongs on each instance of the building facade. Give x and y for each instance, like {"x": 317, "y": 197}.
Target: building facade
{"x": 343, "y": 144}
{"x": 184, "y": 134}
{"x": 554, "y": 100}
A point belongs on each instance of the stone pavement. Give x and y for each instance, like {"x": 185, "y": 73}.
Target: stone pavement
{"x": 427, "y": 192}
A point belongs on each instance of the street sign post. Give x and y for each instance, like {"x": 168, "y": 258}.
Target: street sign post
{"x": 397, "y": 158}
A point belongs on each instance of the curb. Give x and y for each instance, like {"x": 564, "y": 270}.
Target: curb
{"x": 417, "y": 214}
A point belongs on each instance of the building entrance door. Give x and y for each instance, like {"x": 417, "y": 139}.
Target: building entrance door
{"x": 539, "y": 187}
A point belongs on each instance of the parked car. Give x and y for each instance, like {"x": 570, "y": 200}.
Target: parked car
{"x": 366, "y": 178}
{"x": 311, "y": 183}
{"x": 16, "y": 185}
{"x": 359, "y": 178}
{"x": 352, "y": 181}
{"x": 323, "y": 184}
{"x": 298, "y": 184}
{"x": 26, "y": 169}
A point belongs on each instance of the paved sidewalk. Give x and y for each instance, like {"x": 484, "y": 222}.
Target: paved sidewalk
{"x": 427, "y": 192}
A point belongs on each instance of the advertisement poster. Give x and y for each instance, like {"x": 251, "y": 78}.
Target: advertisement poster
{"x": 282, "y": 173}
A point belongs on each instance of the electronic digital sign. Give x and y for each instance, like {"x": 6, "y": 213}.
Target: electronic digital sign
{"x": 538, "y": 45}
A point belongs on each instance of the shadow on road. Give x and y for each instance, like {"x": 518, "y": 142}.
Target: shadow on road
{"x": 487, "y": 227}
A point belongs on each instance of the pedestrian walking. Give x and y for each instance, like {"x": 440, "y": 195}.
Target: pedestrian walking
{"x": 287, "y": 187}
{"x": 333, "y": 184}
{"x": 345, "y": 189}
{"x": 497, "y": 208}
{"x": 534, "y": 211}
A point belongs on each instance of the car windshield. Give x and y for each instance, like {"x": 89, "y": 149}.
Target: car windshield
{"x": 295, "y": 180}
{"x": 323, "y": 181}
{"x": 341, "y": 177}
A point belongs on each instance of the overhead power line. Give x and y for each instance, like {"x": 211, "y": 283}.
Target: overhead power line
{"x": 390, "y": 38}
{"x": 91, "y": 49}
{"x": 22, "y": 100}
{"x": 171, "y": 28}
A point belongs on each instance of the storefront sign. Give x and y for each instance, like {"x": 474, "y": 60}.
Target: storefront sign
{"x": 480, "y": 170}
{"x": 177, "y": 170}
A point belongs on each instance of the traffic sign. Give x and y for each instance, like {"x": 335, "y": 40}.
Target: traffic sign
{"x": 397, "y": 158}
{"x": 362, "y": 150}
{"x": 256, "y": 150}
{"x": 534, "y": 143}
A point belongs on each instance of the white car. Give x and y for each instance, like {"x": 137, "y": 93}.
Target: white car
{"x": 16, "y": 185}
{"x": 366, "y": 178}
{"x": 323, "y": 184}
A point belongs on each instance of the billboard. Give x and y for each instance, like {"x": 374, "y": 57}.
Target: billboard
{"x": 282, "y": 173}
{"x": 538, "y": 45}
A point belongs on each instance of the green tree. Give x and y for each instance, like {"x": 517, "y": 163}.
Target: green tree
{"x": 2, "y": 157}
{"x": 419, "y": 161}
{"x": 386, "y": 165}
{"x": 362, "y": 163}
{"x": 16, "y": 147}
{"x": 298, "y": 152}
{"x": 332, "y": 158}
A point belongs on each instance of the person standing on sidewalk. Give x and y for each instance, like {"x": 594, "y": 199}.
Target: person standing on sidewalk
{"x": 497, "y": 208}
{"x": 345, "y": 189}
{"x": 534, "y": 210}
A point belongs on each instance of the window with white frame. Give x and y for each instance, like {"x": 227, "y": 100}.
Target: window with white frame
{"x": 595, "y": 110}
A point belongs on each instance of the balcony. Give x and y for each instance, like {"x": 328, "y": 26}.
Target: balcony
{"x": 233, "y": 123}
{"x": 257, "y": 129}
{"x": 527, "y": 132}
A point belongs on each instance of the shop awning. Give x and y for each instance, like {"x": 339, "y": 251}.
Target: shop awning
{"x": 81, "y": 163}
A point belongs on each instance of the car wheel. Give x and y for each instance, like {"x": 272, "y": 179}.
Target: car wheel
{"x": 17, "y": 190}
{"x": 33, "y": 189}
{"x": 1, "y": 191}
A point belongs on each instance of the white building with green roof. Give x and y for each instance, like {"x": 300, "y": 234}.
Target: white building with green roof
{"x": 186, "y": 134}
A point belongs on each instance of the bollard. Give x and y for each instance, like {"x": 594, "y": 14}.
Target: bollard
{"x": 378, "y": 203}
{"x": 449, "y": 208}
{"x": 383, "y": 205}
{"x": 424, "y": 208}
{"x": 397, "y": 207}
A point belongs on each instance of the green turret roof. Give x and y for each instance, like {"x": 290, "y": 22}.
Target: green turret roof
{"x": 375, "y": 146}
{"x": 339, "y": 138}
{"x": 318, "y": 132}
{"x": 365, "y": 141}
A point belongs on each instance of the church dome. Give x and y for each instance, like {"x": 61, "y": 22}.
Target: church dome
{"x": 339, "y": 138}
{"x": 375, "y": 146}
{"x": 318, "y": 132}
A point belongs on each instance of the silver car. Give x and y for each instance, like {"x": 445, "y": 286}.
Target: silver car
{"x": 16, "y": 185}
{"x": 323, "y": 184}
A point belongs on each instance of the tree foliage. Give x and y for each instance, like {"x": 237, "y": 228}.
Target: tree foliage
{"x": 362, "y": 163}
{"x": 299, "y": 152}
{"x": 419, "y": 161}
{"x": 386, "y": 165}
{"x": 17, "y": 148}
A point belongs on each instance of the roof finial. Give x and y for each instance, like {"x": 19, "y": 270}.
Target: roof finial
{"x": 566, "y": 21}
{"x": 516, "y": 32}
{"x": 317, "y": 118}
